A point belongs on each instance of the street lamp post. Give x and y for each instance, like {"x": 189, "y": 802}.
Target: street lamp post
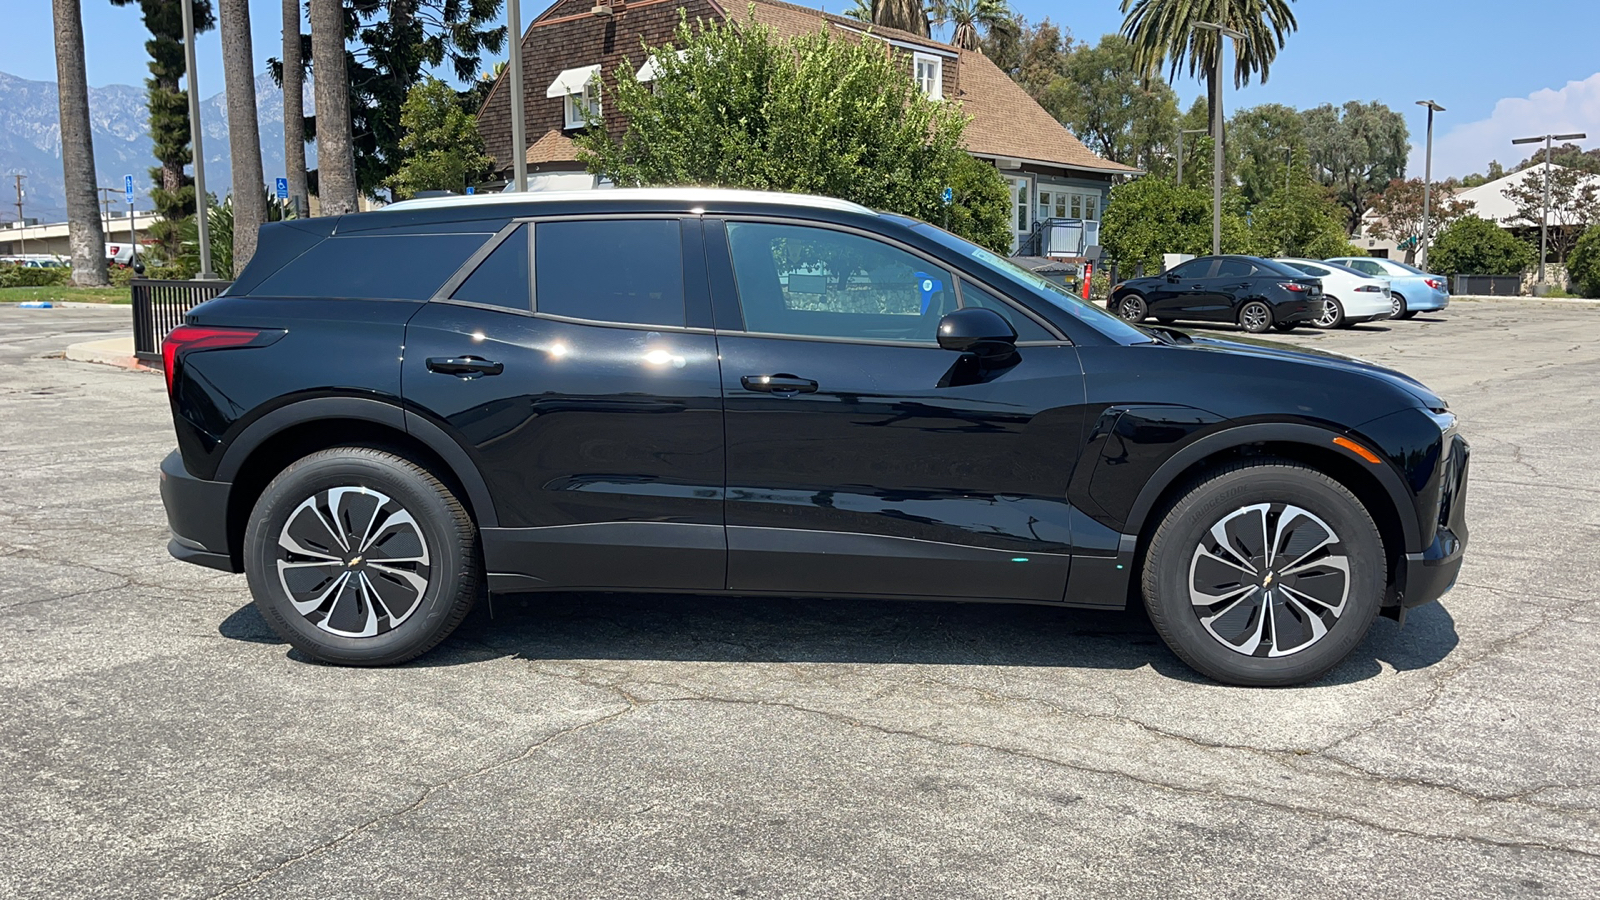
{"x": 1544, "y": 219}
{"x": 1216, "y": 129}
{"x": 1181, "y": 133}
{"x": 519, "y": 148}
{"x": 1427, "y": 184}
{"x": 202, "y": 208}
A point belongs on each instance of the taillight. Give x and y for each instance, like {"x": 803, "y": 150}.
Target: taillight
{"x": 1297, "y": 288}
{"x": 1370, "y": 288}
{"x": 1435, "y": 283}
{"x": 187, "y": 338}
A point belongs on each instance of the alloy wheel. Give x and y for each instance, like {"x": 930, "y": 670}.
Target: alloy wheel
{"x": 1329, "y": 316}
{"x": 1269, "y": 580}
{"x": 1397, "y": 306}
{"x": 1255, "y": 317}
{"x": 353, "y": 561}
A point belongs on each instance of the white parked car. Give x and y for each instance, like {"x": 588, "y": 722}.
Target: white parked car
{"x": 1348, "y": 296}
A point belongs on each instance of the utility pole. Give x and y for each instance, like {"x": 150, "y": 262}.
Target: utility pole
{"x": 1216, "y": 127}
{"x": 202, "y": 204}
{"x": 519, "y": 140}
{"x": 21, "y": 222}
{"x": 1427, "y": 184}
{"x": 1544, "y": 220}
{"x": 1181, "y": 133}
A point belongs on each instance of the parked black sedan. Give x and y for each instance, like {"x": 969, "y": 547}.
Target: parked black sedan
{"x": 1253, "y": 293}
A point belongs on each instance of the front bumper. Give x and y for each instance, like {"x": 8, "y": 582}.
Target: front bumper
{"x": 197, "y": 514}
{"x": 1430, "y": 574}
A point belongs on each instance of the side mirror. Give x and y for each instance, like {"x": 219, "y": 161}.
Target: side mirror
{"x": 1172, "y": 278}
{"x": 982, "y": 332}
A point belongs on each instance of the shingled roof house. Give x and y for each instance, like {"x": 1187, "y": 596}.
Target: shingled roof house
{"x": 1058, "y": 186}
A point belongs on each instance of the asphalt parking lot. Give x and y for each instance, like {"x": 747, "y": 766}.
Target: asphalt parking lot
{"x": 157, "y": 740}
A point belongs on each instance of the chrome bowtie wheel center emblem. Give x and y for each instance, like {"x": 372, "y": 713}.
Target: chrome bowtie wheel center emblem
{"x": 1266, "y": 580}
{"x": 355, "y": 562}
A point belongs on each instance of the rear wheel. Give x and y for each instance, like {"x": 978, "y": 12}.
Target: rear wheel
{"x": 1133, "y": 308}
{"x": 1332, "y": 314}
{"x": 1264, "y": 573}
{"x": 1255, "y": 317}
{"x": 1397, "y": 307}
{"x": 360, "y": 557}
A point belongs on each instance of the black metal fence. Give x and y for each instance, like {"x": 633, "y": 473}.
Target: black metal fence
{"x": 1487, "y": 285}
{"x": 159, "y": 307}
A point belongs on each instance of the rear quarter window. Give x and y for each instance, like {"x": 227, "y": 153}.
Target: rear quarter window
{"x": 387, "y": 267}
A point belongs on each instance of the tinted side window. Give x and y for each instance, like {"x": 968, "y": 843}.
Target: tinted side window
{"x": 1234, "y": 268}
{"x": 628, "y": 271}
{"x": 1027, "y": 329}
{"x": 394, "y": 267}
{"x": 1367, "y": 266}
{"x": 1194, "y": 268}
{"x": 817, "y": 282}
{"x": 502, "y": 278}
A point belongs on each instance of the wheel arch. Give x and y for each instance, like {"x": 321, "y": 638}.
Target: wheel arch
{"x": 291, "y": 432}
{"x": 1378, "y": 487}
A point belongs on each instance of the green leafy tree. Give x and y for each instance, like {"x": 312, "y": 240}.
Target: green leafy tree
{"x": 1574, "y": 203}
{"x": 1399, "y": 212}
{"x": 443, "y": 150}
{"x": 1570, "y": 155}
{"x": 1149, "y": 216}
{"x": 1301, "y": 220}
{"x": 1104, "y": 99}
{"x": 1583, "y": 264}
{"x": 1476, "y": 246}
{"x": 972, "y": 19}
{"x": 173, "y": 190}
{"x": 1356, "y": 150}
{"x": 819, "y": 114}
{"x": 1496, "y": 171}
{"x": 1261, "y": 140}
{"x": 1033, "y": 55}
{"x": 1163, "y": 32}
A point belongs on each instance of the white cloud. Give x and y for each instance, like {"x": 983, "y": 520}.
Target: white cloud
{"x": 1468, "y": 148}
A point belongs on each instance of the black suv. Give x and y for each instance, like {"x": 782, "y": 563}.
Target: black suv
{"x": 727, "y": 392}
{"x": 1253, "y": 293}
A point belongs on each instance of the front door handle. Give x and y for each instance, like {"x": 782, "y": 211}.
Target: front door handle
{"x": 778, "y": 384}
{"x": 464, "y": 366}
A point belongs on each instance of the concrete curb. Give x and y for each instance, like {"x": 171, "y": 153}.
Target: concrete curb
{"x": 117, "y": 351}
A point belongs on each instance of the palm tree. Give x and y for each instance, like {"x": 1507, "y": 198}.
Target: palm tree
{"x": 861, "y": 11}
{"x": 970, "y": 17}
{"x": 85, "y": 233}
{"x": 906, "y": 15}
{"x": 244, "y": 131}
{"x": 1163, "y": 31}
{"x": 294, "y": 122}
{"x": 336, "y": 161}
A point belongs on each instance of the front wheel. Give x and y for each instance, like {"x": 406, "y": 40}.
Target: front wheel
{"x": 1255, "y": 317}
{"x": 1332, "y": 314}
{"x": 360, "y": 557}
{"x": 1133, "y": 308}
{"x": 1265, "y": 573}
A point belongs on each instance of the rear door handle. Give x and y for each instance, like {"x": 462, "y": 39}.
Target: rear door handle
{"x": 778, "y": 384}
{"x": 464, "y": 366}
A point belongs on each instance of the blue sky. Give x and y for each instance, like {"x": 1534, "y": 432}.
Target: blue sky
{"x": 1501, "y": 70}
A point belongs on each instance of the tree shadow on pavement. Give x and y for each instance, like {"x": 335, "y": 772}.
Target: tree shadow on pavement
{"x": 664, "y": 627}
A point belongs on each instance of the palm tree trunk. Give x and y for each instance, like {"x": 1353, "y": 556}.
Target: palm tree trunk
{"x": 294, "y": 123}
{"x": 244, "y": 131}
{"x": 336, "y": 162}
{"x": 85, "y": 233}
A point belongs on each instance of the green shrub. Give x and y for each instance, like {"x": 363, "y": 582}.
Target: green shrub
{"x": 1476, "y": 246}
{"x": 1583, "y": 263}
{"x": 24, "y": 276}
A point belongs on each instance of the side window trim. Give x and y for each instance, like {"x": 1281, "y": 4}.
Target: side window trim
{"x": 533, "y": 221}
{"x": 938, "y": 265}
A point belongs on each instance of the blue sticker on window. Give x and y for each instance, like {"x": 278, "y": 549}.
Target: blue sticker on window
{"x": 928, "y": 286}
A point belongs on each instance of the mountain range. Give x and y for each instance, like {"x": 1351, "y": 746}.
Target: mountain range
{"x": 30, "y": 143}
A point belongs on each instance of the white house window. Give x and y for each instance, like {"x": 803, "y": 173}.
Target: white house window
{"x": 1065, "y": 204}
{"x": 579, "y": 90}
{"x": 930, "y": 75}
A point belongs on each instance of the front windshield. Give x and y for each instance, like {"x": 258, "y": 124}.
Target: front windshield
{"x": 1040, "y": 287}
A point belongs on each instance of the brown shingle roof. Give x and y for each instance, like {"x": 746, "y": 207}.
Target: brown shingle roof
{"x": 553, "y": 147}
{"x": 1008, "y": 122}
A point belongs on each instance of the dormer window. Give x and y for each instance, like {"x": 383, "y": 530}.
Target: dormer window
{"x": 930, "y": 75}
{"x": 579, "y": 90}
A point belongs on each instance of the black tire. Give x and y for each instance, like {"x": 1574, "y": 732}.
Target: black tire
{"x": 1285, "y": 327}
{"x": 1165, "y": 320}
{"x": 1332, "y": 315}
{"x": 1255, "y": 317}
{"x": 1398, "y": 308}
{"x": 395, "y": 527}
{"x": 1132, "y": 308}
{"x": 1185, "y": 563}
{"x": 1409, "y": 314}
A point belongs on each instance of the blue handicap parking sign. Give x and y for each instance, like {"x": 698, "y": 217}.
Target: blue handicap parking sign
{"x": 927, "y": 285}
{"x": 127, "y": 188}
{"x": 283, "y": 188}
